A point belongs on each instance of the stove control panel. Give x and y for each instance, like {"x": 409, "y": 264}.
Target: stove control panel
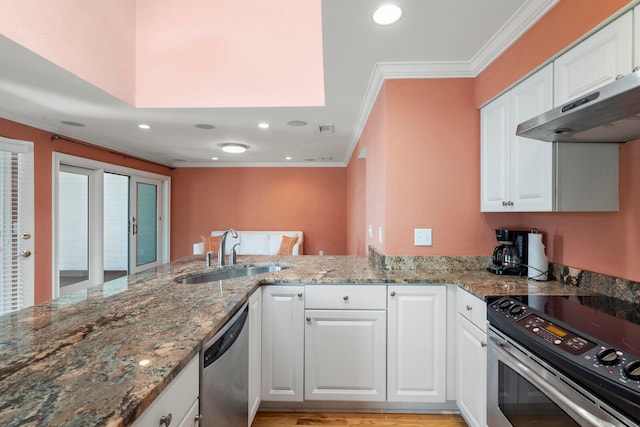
{"x": 597, "y": 357}
{"x": 556, "y": 335}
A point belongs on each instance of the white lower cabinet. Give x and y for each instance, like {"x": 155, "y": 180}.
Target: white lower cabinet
{"x": 177, "y": 404}
{"x": 345, "y": 355}
{"x": 417, "y": 343}
{"x": 255, "y": 352}
{"x": 345, "y": 342}
{"x": 471, "y": 359}
{"x": 282, "y": 343}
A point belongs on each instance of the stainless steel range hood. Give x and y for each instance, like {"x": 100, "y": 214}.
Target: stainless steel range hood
{"x": 610, "y": 114}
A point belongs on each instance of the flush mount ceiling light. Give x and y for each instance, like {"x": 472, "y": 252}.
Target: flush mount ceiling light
{"x": 387, "y": 14}
{"x": 234, "y": 148}
{"x": 263, "y": 125}
{"x": 144, "y": 126}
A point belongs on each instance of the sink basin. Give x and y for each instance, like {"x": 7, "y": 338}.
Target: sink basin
{"x": 231, "y": 272}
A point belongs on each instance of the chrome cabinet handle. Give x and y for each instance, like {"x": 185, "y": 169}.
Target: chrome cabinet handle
{"x": 26, "y": 253}
{"x": 165, "y": 420}
{"x": 393, "y": 293}
{"x": 346, "y": 297}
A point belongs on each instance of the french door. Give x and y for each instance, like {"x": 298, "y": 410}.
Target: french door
{"x": 16, "y": 225}
{"x": 110, "y": 222}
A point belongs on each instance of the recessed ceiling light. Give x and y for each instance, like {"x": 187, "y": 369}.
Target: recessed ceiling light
{"x": 263, "y": 125}
{"x": 234, "y": 148}
{"x": 387, "y": 14}
{"x": 204, "y": 126}
{"x": 297, "y": 123}
{"x": 144, "y": 126}
{"x": 288, "y": 158}
{"x": 214, "y": 158}
{"x": 70, "y": 123}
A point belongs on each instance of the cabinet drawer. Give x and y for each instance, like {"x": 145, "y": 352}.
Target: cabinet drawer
{"x": 351, "y": 297}
{"x": 472, "y": 308}
{"x": 176, "y": 399}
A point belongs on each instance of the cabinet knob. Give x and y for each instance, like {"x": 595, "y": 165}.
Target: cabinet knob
{"x": 26, "y": 253}
{"x": 637, "y": 68}
{"x": 619, "y": 76}
{"x": 483, "y": 344}
{"x": 469, "y": 308}
{"x": 308, "y": 319}
{"x": 299, "y": 294}
{"x": 393, "y": 293}
{"x": 165, "y": 420}
{"x": 346, "y": 297}
{"x": 504, "y": 203}
{"x": 197, "y": 418}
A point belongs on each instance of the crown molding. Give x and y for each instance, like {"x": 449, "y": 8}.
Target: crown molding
{"x": 524, "y": 18}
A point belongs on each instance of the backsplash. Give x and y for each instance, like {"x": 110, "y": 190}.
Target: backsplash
{"x": 570, "y": 276}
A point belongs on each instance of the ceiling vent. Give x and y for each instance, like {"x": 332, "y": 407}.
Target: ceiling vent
{"x": 326, "y": 128}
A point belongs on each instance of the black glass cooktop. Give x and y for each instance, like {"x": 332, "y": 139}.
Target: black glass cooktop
{"x": 609, "y": 319}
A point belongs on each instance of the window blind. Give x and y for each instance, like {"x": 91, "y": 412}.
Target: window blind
{"x": 16, "y": 218}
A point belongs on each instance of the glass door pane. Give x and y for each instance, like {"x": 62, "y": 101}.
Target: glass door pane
{"x": 116, "y": 224}
{"x": 73, "y": 223}
{"x": 145, "y": 224}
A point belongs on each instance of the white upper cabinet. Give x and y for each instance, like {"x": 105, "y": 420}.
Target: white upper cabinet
{"x": 516, "y": 173}
{"x": 596, "y": 61}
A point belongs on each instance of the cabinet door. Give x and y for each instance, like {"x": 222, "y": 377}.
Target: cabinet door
{"x": 531, "y": 161}
{"x": 472, "y": 373}
{"x": 494, "y": 155}
{"x": 282, "y": 343}
{"x": 416, "y": 365}
{"x": 345, "y": 355}
{"x": 594, "y": 62}
{"x": 255, "y": 352}
{"x": 192, "y": 419}
{"x": 176, "y": 400}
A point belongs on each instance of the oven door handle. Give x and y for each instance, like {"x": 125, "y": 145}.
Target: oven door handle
{"x": 543, "y": 385}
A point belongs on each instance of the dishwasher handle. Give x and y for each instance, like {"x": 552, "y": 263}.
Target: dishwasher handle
{"x": 226, "y": 340}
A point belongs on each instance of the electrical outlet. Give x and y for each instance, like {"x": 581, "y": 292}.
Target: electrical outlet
{"x": 422, "y": 237}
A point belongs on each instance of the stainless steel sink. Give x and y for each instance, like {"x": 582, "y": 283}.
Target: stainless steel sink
{"x": 231, "y": 272}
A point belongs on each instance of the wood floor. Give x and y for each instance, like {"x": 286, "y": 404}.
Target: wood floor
{"x": 272, "y": 419}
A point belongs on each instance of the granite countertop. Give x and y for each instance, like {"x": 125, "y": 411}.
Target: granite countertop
{"x": 74, "y": 361}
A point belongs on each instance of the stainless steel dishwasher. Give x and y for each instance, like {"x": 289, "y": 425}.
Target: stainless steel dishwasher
{"x": 225, "y": 397}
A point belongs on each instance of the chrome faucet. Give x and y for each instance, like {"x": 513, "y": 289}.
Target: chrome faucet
{"x": 221, "y": 249}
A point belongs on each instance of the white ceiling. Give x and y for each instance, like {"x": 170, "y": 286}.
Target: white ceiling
{"x": 434, "y": 38}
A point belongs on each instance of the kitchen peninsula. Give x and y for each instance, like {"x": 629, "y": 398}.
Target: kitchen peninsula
{"x": 77, "y": 360}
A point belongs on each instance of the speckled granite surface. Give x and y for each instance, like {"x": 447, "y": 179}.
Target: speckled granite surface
{"x": 74, "y": 361}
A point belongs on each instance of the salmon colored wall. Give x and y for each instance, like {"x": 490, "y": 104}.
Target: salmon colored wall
{"x": 607, "y": 243}
{"x": 309, "y": 199}
{"x": 43, "y": 152}
{"x": 356, "y": 206}
{"x": 433, "y": 168}
{"x": 373, "y": 140}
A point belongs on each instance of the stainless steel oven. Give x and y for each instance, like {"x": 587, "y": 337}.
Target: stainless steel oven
{"x": 544, "y": 373}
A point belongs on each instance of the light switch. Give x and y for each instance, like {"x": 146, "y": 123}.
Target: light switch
{"x": 370, "y": 231}
{"x": 422, "y": 237}
{"x": 380, "y": 234}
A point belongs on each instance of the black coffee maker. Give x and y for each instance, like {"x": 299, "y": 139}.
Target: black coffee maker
{"x": 511, "y": 255}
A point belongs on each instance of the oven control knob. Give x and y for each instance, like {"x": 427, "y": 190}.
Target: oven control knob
{"x": 516, "y": 309}
{"x": 632, "y": 370}
{"x": 608, "y": 356}
{"x": 504, "y": 304}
